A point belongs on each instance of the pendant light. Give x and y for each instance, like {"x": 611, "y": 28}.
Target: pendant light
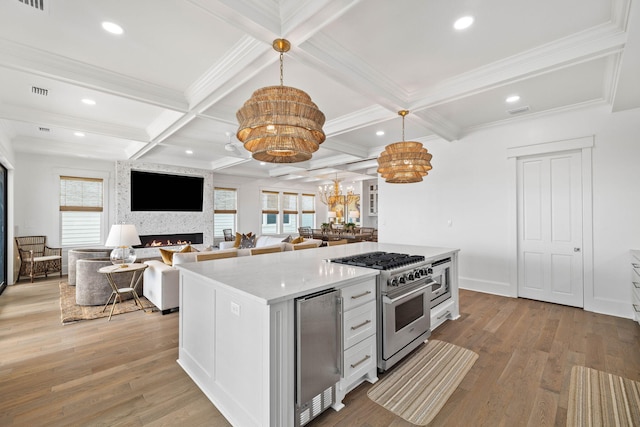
{"x": 404, "y": 162}
{"x": 280, "y": 124}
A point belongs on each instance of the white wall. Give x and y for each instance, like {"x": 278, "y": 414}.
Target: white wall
{"x": 470, "y": 183}
{"x": 249, "y": 190}
{"x": 7, "y": 159}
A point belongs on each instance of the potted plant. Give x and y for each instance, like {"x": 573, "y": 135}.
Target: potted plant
{"x": 350, "y": 227}
{"x": 325, "y": 227}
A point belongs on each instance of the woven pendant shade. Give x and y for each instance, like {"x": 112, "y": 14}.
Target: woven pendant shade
{"x": 404, "y": 162}
{"x": 280, "y": 124}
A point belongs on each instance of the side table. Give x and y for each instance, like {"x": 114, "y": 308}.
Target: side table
{"x": 111, "y": 270}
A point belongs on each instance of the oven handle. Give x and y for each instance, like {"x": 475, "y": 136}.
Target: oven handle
{"x": 419, "y": 289}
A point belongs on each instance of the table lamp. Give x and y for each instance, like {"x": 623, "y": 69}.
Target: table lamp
{"x": 332, "y": 216}
{"x": 354, "y": 215}
{"x": 122, "y": 237}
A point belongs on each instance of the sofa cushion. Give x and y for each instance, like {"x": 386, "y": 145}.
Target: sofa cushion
{"x": 167, "y": 254}
{"x": 289, "y": 246}
{"x": 265, "y": 240}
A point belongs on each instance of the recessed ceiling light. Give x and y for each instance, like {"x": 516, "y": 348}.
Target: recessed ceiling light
{"x": 464, "y": 22}
{"x": 112, "y": 28}
{"x": 513, "y": 98}
{"x": 79, "y": 134}
{"x": 380, "y": 133}
{"x": 189, "y": 152}
{"x": 88, "y": 101}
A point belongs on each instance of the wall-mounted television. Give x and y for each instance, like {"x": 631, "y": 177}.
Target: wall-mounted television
{"x": 152, "y": 191}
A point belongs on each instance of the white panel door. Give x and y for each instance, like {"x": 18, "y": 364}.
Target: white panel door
{"x": 550, "y": 228}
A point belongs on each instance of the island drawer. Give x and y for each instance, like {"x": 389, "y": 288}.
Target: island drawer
{"x": 359, "y": 323}
{"x": 358, "y": 294}
{"x": 359, "y": 359}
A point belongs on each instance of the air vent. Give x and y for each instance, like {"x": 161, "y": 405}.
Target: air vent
{"x": 42, "y": 129}
{"x": 36, "y": 4}
{"x": 519, "y": 110}
{"x": 39, "y": 91}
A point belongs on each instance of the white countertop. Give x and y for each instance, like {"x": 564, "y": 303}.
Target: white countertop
{"x": 276, "y": 277}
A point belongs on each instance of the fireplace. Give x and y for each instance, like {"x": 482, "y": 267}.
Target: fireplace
{"x": 160, "y": 240}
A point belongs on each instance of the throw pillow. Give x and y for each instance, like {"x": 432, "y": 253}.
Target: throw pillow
{"x": 247, "y": 242}
{"x": 188, "y": 248}
{"x": 297, "y": 240}
{"x": 287, "y": 239}
{"x": 239, "y": 236}
{"x": 167, "y": 256}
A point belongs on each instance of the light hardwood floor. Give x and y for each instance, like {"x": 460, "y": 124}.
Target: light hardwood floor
{"x": 124, "y": 372}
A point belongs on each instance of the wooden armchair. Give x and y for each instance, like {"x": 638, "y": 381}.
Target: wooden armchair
{"x": 228, "y": 235}
{"x": 37, "y": 258}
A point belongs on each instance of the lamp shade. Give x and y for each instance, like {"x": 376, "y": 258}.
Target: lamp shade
{"x": 354, "y": 214}
{"x": 123, "y": 235}
{"x": 332, "y": 214}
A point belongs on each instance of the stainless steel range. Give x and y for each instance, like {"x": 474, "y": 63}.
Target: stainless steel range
{"x": 404, "y": 297}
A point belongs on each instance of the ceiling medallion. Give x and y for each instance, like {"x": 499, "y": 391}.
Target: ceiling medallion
{"x": 280, "y": 124}
{"x": 404, "y": 162}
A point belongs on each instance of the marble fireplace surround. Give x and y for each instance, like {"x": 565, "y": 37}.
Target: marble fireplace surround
{"x": 164, "y": 222}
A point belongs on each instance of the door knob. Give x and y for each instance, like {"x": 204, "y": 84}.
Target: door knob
{"x": 576, "y": 249}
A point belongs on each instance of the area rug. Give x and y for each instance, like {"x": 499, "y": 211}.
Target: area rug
{"x": 419, "y": 388}
{"x": 597, "y": 398}
{"x": 71, "y": 312}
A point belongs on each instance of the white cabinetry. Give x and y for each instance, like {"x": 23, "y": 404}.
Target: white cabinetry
{"x": 635, "y": 285}
{"x": 359, "y": 360}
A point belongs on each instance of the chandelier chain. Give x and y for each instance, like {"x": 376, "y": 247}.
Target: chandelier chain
{"x": 281, "y": 68}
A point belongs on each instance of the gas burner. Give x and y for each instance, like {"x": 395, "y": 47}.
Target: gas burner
{"x": 380, "y": 260}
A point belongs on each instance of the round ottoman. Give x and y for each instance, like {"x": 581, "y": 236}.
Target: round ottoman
{"x": 76, "y": 254}
{"x": 92, "y": 288}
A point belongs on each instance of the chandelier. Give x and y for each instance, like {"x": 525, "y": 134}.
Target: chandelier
{"x": 331, "y": 194}
{"x": 404, "y": 162}
{"x": 280, "y": 124}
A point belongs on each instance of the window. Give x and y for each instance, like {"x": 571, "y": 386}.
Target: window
{"x": 308, "y": 211}
{"x": 290, "y": 212}
{"x": 225, "y": 210}
{"x": 81, "y": 212}
{"x": 270, "y": 212}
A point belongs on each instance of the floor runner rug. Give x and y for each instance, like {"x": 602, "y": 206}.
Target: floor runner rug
{"x": 597, "y": 398}
{"x": 71, "y": 312}
{"x": 417, "y": 389}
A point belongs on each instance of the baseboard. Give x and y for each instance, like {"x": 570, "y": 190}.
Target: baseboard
{"x": 487, "y": 286}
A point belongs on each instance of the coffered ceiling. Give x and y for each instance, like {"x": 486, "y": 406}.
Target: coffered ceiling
{"x": 167, "y": 89}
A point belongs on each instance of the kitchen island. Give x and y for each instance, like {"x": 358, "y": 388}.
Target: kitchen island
{"x": 237, "y": 323}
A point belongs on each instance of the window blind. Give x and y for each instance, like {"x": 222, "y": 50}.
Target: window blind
{"x": 224, "y": 201}
{"x": 308, "y": 203}
{"x": 270, "y": 202}
{"x": 290, "y": 203}
{"x": 80, "y": 194}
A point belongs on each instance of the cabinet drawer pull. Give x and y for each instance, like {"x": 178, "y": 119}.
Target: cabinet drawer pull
{"x": 635, "y": 265}
{"x": 446, "y": 313}
{"x": 354, "y": 365}
{"x": 360, "y": 295}
{"x": 366, "y": 322}
{"x": 637, "y": 285}
{"x": 636, "y": 308}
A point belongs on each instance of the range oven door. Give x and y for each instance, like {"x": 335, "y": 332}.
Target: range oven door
{"x": 406, "y": 315}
